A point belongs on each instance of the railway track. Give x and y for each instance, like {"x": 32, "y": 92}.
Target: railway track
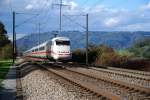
{"x": 136, "y": 80}
{"x": 100, "y": 86}
{"x": 102, "y": 95}
{"x": 130, "y": 78}
{"x": 121, "y": 70}
{"x": 131, "y": 71}
{"x": 138, "y": 76}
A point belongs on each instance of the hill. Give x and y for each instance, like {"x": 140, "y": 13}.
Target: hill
{"x": 116, "y": 40}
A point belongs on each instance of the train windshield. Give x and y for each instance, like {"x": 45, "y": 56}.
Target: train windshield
{"x": 62, "y": 42}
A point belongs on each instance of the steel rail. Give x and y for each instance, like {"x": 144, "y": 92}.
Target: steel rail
{"x": 123, "y": 84}
{"x": 84, "y": 85}
{"x": 120, "y": 71}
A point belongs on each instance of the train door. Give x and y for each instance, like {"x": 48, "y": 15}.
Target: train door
{"x": 48, "y": 49}
{"x": 52, "y": 47}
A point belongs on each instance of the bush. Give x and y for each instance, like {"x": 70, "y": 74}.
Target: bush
{"x": 146, "y": 53}
{"x": 5, "y": 44}
{"x": 6, "y": 52}
{"x": 4, "y": 40}
{"x": 103, "y": 55}
{"x": 78, "y": 56}
{"x": 141, "y": 49}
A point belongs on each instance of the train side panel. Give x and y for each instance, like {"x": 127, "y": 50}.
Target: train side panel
{"x": 58, "y": 49}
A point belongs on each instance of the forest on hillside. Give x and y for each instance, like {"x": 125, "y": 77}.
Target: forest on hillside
{"x": 5, "y": 44}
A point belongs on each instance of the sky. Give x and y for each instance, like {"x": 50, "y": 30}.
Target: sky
{"x": 104, "y": 15}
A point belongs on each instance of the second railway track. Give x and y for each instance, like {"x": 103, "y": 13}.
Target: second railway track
{"x": 100, "y": 86}
{"x": 131, "y": 78}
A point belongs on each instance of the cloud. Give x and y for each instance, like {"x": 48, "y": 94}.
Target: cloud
{"x": 101, "y": 16}
{"x": 111, "y": 22}
{"x": 73, "y": 5}
{"x": 5, "y": 2}
{"x": 29, "y": 7}
{"x": 146, "y": 7}
{"x": 136, "y": 27}
{"x": 72, "y": 8}
{"x": 38, "y": 4}
{"x": 96, "y": 9}
{"x": 18, "y": 36}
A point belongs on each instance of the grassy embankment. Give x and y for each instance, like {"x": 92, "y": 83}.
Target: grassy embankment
{"x": 4, "y": 67}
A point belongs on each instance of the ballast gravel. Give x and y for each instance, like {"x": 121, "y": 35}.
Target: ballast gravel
{"x": 42, "y": 85}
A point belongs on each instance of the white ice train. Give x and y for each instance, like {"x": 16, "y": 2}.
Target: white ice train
{"x": 57, "y": 48}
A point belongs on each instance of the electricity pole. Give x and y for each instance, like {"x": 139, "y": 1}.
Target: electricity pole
{"x": 87, "y": 19}
{"x": 14, "y": 54}
{"x": 14, "y": 39}
{"x": 60, "y": 16}
{"x": 87, "y": 32}
{"x": 39, "y": 32}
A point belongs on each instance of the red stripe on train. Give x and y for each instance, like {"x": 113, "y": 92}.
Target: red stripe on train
{"x": 37, "y": 58}
{"x": 40, "y": 52}
{"x": 48, "y": 53}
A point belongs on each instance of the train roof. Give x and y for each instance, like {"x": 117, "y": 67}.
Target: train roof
{"x": 60, "y": 38}
{"x": 43, "y": 44}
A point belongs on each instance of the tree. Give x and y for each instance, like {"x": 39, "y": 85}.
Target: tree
{"x": 146, "y": 53}
{"x": 3, "y": 37}
{"x": 6, "y": 52}
{"x": 5, "y": 43}
{"x": 2, "y": 29}
{"x": 141, "y": 48}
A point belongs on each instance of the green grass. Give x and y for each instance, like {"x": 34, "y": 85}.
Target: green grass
{"x": 4, "y": 67}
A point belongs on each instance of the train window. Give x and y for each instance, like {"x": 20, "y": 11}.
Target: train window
{"x": 62, "y": 42}
{"x": 41, "y": 48}
{"x": 36, "y": 49}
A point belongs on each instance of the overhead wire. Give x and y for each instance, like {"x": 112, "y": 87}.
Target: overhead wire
{"x": 25, "y": 13}
{"x": 84, "y": 2}
{"x": 46, "y": 16}
{"x": 71, "y": 20}
{"x": 89, "y": 9}
{"x": 44, "y": 7}
{"x": 74, "y": 21}
{"x": 46, "y": 21}
{"x": 81, "y": 14}
{"x": 35, "y": 3}
{"x": 29, "y": 19}
{"x": 95, "y": 4}
{"x": 40, "y": 14}
{"x": 26, "y": 21}
{"x": 10, "y": 4}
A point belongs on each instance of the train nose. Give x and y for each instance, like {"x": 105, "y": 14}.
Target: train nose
{"x": 63, "y": 52}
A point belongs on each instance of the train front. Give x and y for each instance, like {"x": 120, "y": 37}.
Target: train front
{"x": 61, "y": 48}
